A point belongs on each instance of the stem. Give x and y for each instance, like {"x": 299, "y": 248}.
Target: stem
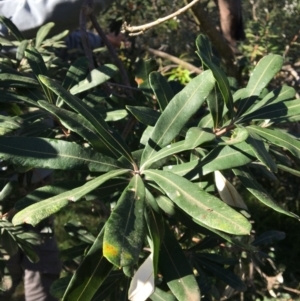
{"x": 136, "y": 30}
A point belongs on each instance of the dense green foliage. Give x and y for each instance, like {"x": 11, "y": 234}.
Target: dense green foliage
{"x": 160, "y": 163}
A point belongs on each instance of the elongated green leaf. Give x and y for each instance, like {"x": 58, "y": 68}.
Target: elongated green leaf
{"x": 216, "y": 105}
{"x": 95, "y": 78}
{"x": 166, "y": 205}
{"x": 53, "y": 154}
{"x": 261, "y": 152}
{"x": 182, "y": 107}
{"x": 77, "y": 124}
{"x": 90, "y": 275}
{"x": 221, "y": 79}
{"x": 155, "y": 223}
{"x": 280, "y": 94}
{"x": 268, "y": 238}
{"x": 39, "y": 211}
{"x": 160, "y": 295}
{"x": 151, "y": 201}
{"x": 177, "y": 271}
{"x": 38, "y": 67}
{"x": 114, "y": 115}
{"x": 113, "y": 142}
{"x": 14, "y": 97}
{"x": 227, "y": 157}
{"x": 17, "y": 81}
{"x": 289, "y": 170}
{"x": 262, "y": 74}
{"x": 167, "y": 151}
{"x": 42, "y": 33}
{"x": 224, "y": 274}
{"x": 21, "y": 50}
{"x": 59, "y": 287}
{"x": 124, "y": 230}
{"x": 206, "y": 122}
{"x": 279, "y": 138}
{"x": 219, "y": 158}
{"x": 288, "y": 110}
{"x": 161, "y": 89}
{"x": 36, "y": 61}
{"x": 145, "y": 115}
{"x": 198, "y": 204}
{"x": 258, "y": 191}
{"x": 108, "y": 188}
{"x": 12, "y": 28}
{"x": 197, "y": 136}
{"x": 76, "y": 73}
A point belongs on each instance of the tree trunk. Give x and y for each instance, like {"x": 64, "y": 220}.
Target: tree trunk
{"x": 231, "y": 21}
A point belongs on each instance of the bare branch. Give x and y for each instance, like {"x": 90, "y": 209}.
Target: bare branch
{"x": 175, "y": 60}
{"x": 136, "y": 30}
{"x": 86, "y": 10}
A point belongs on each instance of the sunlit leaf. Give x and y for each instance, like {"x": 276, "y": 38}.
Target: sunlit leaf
{"x": 53, "y": 154}
{"x": 196, "y": 136}
{"x": 12, "y": 28}
{"x": 124, "y": 229}
{"x": 279, "y": 138}
{"x": 113, "y": 142}
{"x": 262, "y": 74}
{"x": 95, "y": 78}
{"x": 182, "y": 107}
{"x": 198, "y": 204}
{"x": 39, "y": 211}
{"x": 42, "y": 33}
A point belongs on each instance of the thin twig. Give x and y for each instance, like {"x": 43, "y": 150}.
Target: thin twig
{"x": 175, "y": 60}
{"x": 112, "y": 51}
{"x": 124, "y": 87}
{"x": 289, "y": 289}
{"x": 136, "y": 30}
{"x": 86, "y": 10}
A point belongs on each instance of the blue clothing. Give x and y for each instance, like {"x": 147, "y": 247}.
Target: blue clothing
{"x": 30, "y": 15}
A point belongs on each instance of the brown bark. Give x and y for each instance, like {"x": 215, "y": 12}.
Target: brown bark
{"x": 231, "y": 21}
{"x": 218, "y": 41}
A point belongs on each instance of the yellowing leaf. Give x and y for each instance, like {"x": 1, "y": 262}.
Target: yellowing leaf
{"x": 227, "y": 192}
{"x": 142, "y": 283}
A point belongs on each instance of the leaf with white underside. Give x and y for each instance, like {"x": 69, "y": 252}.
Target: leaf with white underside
{"x": 142, "y": 283}
{"x": 228, "y": 192}
{"x": 199, "y": 204}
